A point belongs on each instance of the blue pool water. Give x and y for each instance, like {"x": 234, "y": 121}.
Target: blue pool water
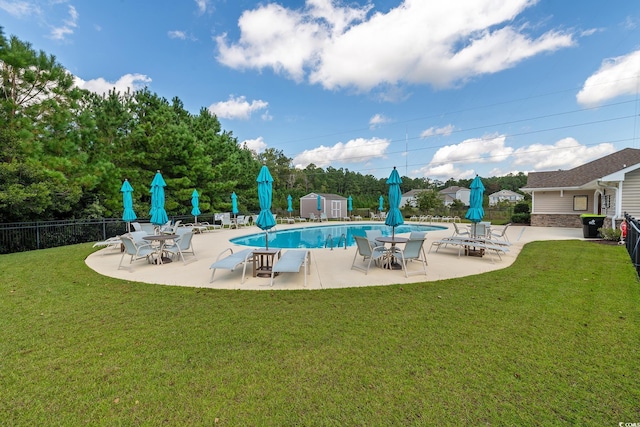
{"x": 317, "y": 236}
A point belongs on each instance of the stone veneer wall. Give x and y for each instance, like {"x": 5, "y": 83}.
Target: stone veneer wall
{"x": 560, "y": 220}
{"x": 556, "y": 220}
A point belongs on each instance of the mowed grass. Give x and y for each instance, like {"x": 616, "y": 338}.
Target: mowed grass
{"x": 552, "y": 340}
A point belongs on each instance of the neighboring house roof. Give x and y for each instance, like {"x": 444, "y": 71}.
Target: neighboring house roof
{"x": 453, "y": 190}
{"x": 413, "y": 193}
{"x": 505, "y": 193}
{"x": 585, "y": 174}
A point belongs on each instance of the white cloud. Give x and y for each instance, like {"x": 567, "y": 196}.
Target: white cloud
{"x": 488, "y": 149}
{"x": 177, "y": 34}
{"x": 565, "y": 154}
{"x": 616, "y": 76}
{"x": 354, "y": 151}
{"x": 448, "y": 161}
{"x": 59, "y": 33}
{"x": 418, "y": 42}
{"x": 378, "y": 120}
{"x": 433, "y": 131}
{"x": 20, "y": 8}
{"x": 258, "y": 145}
{"x": 202, "y": 5}
{"x": 237, "y": 108}
{"x": 102, "y": 86}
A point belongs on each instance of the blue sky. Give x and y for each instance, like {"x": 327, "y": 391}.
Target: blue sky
{"x": 440, "y": 89}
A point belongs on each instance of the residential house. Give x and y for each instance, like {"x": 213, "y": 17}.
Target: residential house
{"x": 504, "y": 196}
{"x": 410, "y": 198}
{"x": 332, "y": 205}
{"x": 449, "y": 194}
{"x": 609, "y": 186}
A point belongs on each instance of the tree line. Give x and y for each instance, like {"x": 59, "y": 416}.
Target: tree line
{"x": 65, "y": 151}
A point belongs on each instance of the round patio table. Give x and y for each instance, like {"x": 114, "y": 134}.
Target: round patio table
{"x": 162, "y": 239}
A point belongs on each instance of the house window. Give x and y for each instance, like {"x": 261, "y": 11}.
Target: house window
{"x": 580, "y": 203}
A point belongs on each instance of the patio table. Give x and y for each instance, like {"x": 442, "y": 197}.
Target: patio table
{"x": 161, "y": 239}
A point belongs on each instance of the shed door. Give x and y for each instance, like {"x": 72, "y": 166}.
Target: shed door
{"x": 336, "y": 209}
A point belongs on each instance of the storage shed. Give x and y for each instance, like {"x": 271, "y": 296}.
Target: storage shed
{"x": 333, "y": 206}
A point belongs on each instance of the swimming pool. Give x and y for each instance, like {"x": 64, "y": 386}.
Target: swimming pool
{"x": 324, "y": 236}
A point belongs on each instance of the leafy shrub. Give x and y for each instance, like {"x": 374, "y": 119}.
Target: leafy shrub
{"x": 610, "y": 233}
{"x": 521, "y": 218}
{"x": 521, "y": 208}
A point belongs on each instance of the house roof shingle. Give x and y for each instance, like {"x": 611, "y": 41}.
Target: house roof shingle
{"x": 586, "y": 173}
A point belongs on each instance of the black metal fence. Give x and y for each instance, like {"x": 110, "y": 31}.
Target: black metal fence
{"x": 28, "y": 236}
{"x": 632, "y": 241}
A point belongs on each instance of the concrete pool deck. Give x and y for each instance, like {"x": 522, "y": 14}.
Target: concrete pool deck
{"x": 329, "y": 268}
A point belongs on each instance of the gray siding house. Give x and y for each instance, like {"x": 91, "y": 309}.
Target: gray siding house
{"x": 608, "y": 186}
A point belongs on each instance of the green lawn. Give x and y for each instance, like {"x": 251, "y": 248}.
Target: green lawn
{"x": 552, "y": 340}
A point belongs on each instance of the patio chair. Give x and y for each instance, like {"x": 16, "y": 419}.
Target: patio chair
{"x": 231, "y": 261}
{"x": 136, "y": 226}
{"x": 169, "y": 228}
{"x": 148, "y": 228}
{"x": 135, "y": 250}
{"x": 368, "y": 254}
{"x": 312, "y": 217}
{"x": 371, "y": 237}
{"x": 414, "y": 235}
{"x": 182, "y": 245}
{"x": 137, "y": 237}
{"x": 457, "y": 231}
{"x": 413, "y": 251}
{"x": 226, "y": 220}
{"x": 323, "y": 217}
{"x": 500, "y": 234}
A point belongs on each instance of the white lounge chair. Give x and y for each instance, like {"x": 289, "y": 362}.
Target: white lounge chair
{"x": 291, "y": 262}
{"x": 226, "y": 220}
{"x": 313, "y": 217}
{"x": 113, "y": 242}
{"x": 368, "y": 254}
{"x": 231, "y": 261}
{"x": 323, "y": 217}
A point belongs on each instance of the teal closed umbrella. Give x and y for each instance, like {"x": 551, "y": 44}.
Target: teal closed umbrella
{"x": 475, "y": 212}
{"x": 381, "y": 205}
{"x": 289, "y": 204}
{"x": 265, "y": 219}
{"x": 234, "y": 204}
{"x": 394, "y": 217}
{"x": 157, "y": 212}
{"x": 349, "y": 205}
{"x": 319, "y": 199}
{"x": 195, "y": 201}
{"x": 128, "y": 215}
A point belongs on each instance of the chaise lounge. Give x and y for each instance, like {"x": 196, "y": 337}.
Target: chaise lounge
{"x": 291, "y": 262}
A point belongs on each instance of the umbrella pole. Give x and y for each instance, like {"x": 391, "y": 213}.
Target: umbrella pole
{"x": 266, "y": 239}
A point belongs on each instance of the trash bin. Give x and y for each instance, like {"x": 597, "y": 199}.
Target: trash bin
{"x": 590, "y": 225}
